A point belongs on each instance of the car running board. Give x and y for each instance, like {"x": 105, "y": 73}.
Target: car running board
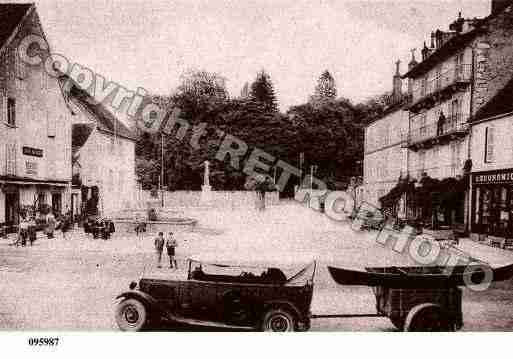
{"x": 206, "y": 323}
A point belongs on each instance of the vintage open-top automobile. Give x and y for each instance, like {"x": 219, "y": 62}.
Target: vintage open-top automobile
{"x": 238, "y": 297}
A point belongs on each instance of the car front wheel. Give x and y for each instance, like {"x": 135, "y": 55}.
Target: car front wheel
{"x": 278, "y": 320}
{"x": 131, "y": 315}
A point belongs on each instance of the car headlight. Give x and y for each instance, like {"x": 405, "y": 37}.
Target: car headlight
{"x": 132, "y": 285}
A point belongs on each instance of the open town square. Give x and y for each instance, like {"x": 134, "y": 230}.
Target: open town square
{"x": 71, "y": 284}
{"x": 256, "y": 166}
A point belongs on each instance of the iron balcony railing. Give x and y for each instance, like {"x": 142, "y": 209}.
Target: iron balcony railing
{"x": 452, "y": 170}
{"x": 456, "y": 123}
{"x": 459, "y": 74}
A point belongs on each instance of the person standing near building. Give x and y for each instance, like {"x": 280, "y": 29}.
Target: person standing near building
{"x": 23, "y": 231}
{"x": 32, "y": 233}
{"x": 50, "y": 224}
{"x": 171, "y": 245}
{"x": 65, "y": 224}
{"x": 159, "y": 247}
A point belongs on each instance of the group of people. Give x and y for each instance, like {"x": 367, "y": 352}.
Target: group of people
{"x": 27, "y": 229}
{"x": 170, "y": 244}
{"x": 99, "y": 227}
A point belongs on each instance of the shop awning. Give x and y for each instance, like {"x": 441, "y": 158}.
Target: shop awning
{"x": 403, "y": 186}
{"x": 30, "y": 181}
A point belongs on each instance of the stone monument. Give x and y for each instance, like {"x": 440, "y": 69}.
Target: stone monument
{"x": 206, "y": 189}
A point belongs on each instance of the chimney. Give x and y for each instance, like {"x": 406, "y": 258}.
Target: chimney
{"x": 499, "y": 5}
{"x": 425, "y": 52}
{"x": 413, "y": 62}
{"x": 397, "y": 82}
{"x": 411, "y": 65}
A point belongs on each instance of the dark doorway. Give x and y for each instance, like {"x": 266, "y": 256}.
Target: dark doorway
{"x": 56, "y": 203}
{"x": 12, "y": 203}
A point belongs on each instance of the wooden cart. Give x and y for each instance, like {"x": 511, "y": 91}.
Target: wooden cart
{"x": 415, "y": 309}
{"x": 421, "y": 309}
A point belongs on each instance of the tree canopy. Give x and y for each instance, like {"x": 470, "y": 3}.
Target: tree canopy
{"x": 328, "y": 133}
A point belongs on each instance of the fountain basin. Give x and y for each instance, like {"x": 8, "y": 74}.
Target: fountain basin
{"x": 178, "y": 224}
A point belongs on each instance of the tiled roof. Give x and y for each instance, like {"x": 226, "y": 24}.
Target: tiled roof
{"x": 10, "y": 16}
{"x": 105, "y": 120}
{"x": 79, "y": 135}
{"x": 499, "y": 104}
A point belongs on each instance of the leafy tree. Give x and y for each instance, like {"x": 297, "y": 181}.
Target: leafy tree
{"x": 326, "y": 89}
{"x": 262, "y": 91}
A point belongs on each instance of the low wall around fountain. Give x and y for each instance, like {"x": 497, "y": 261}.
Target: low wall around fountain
{"x": 219, "y": 199}
{"x": 171, "y": 225}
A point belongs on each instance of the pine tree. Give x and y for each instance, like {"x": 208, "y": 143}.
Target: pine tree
{"x": 245, "y": 91}
{"x": 326, "y": 88}
{"x": 262, "y": 91}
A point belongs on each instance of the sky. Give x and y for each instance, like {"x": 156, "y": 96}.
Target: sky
{"x": 150, "y": 43}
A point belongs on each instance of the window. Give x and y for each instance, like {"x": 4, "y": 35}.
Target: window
{"x": 11, "y": 111}
{"x": 44, "y": 81}
{"x": 111, "y": 180}
{"x": 19, "y": 66}
{"x": 3, "y": 108}
{"x": 10, "y": 165}
{"x": 438, "y": 77}
{"x": 489, "y": 145}
{"x": 50, "y": 124}
{"x": 422, "y": 162}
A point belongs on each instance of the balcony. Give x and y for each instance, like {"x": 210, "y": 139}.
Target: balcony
{"x": 455, "y": 126}
{"x": 441, "y": 87}
{"x": 439, "y": 172}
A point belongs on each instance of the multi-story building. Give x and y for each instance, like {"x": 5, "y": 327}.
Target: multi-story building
{"x": 35, "y": 139}
{"x": 492, "y": 177}
{"x": 491, "y": 149}
{"x": 385, "y": 157}
{"x": 441, "y": 90}
{"x": 463, "y": 77}
{"x": 103, "y": 157}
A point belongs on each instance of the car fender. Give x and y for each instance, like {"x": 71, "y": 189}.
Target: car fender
{"x": 150, "y": 302}
{"x": 283, "y": 304}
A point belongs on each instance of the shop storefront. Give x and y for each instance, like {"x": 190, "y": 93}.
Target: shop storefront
{"x": 438, "y": 204}
{"x": 492, "y": 203}
{"x": 18, "y": 194}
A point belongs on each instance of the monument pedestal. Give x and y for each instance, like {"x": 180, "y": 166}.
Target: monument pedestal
{"x": 206, "y": 194}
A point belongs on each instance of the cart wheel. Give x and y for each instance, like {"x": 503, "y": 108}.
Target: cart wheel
{"x": 428, "y": 317}
{"x": 398, "y": 322}
{"x": 278, "y": 320}
{"x": 131, "y": 315}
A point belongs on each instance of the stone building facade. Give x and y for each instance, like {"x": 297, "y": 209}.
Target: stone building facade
{"x": 385, "y": 156}
{"x": 103, "y": 157}
{"x": 465, "y": 77}
{"x": 35, "y": 144}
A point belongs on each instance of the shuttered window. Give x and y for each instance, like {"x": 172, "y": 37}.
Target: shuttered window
{"x": 50, "y": 124}
{"x": 489, "y": 145}
{"x": 11, "y": 111}
{"x": 3, "y": 108}
{"x": 10, "y": 165}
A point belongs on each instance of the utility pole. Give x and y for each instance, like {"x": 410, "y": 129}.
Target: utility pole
{"x": 161, "y": 182}
{"x": 301, "y": 160}
{"x": 311, "y": 178}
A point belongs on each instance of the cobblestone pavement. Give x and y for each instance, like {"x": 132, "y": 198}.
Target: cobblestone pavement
{"x": 71, "y": 284}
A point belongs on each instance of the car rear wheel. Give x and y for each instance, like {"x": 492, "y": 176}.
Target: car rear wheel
{"x": 131, "y": 315}
{"x": 278, "y": 320}
{"x": 428, "y": 318}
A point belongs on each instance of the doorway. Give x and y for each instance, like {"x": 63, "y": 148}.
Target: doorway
{"x": 12, "y": 204}
{"x": 56, "y": 203}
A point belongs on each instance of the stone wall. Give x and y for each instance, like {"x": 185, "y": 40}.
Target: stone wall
{"x": 220, "y": 199}
{"x": 493, "y": 59}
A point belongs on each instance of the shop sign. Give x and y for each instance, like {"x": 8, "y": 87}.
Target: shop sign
{"x": 493, "y": 177}
{"x": 30, "y": 151}
{"x": 31, "y": 168}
